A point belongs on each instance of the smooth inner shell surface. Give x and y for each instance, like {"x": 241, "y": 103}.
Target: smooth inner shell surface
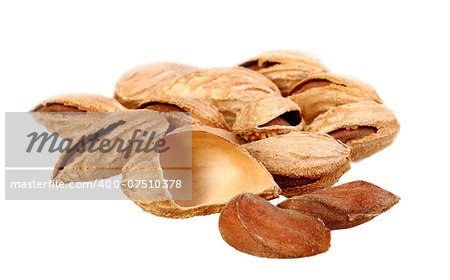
{"x": 220, "y": 170}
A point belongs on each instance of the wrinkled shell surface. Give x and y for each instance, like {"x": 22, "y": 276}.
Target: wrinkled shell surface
{"x": 226, "y": 88}
{"x": 285, "y": 68}
{"x": 253, "y": 120}
{"x": 344, "y": 206}
{"x": 303, "y": 155}
{"x": 362, "y": 114}
{"x": 76, "y": 165}
{"x": 320, "y": 92}
{"x": 221, "y": 169}
{"x": 202, "y": 113}
{"x": 64, "y": 114}
{"x": 79, "y": 102}
{"x": 252, "y": 225}
{"x": 135, "y": 86}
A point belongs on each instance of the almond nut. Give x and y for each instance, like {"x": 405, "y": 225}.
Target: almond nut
{"x": 252, "y": 225}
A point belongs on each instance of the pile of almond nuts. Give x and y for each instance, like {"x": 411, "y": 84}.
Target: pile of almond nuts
{"x": 278, "y": 123}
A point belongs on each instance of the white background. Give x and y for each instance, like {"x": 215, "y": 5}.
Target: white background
{"x": 400, "y": 48}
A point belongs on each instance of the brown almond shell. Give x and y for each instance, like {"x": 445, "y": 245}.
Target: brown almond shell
{"x": 136, "y": 85}
{"x": 79, "y": 102}
{"x": 66, "y": 114}
{"x": 319, "y": 92}
{"x": 81, "y": 162}
{"x": 302, "y": 155}
{"x": 221, "y": 169}
{"x": 285, "y": 68}
{"x": 357, "y": 115}
{"x": 202, "y": 113}
{"x": 255, "y": 120}
{"x": 228, "y": 89}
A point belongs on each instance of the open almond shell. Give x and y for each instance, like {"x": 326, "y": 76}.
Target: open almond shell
{"x": 302, "y": 162}
{"x": 285, "y": 68}
{"x": 319, "y": 92}
{"x": 135, "y": 86}
{"x": 268, "y": 117}
{"x": 202, "y": 113}
{"x": 367, "y": 127}
{"x": 65, "y": 114}
{"x": 226, "y": 88}
{"x": 83, "y": 162}
{"x": 221, "y": 169}
{"x": 78, "y": 102}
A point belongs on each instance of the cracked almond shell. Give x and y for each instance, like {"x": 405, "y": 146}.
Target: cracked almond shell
{"x": 302, "y": 162}
{"x": 319, "y": 92}
{"x": 135, "y": 86}
{"x": 268, "y": 117}
{"x": 367, "y": 127}
{"x": 83, "y": 163}
{"x": 285, "y": 68}
{"x": 64, "y": 114}
{"x": 226, "y": 88}
{"x": 221, "y": 169}
{"x": 202, "y": 113}
{"x": 79, "y": 102}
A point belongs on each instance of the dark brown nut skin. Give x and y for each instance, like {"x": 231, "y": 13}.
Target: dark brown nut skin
{"x": 344, "y": 206}
{"x": 252, "y": 225}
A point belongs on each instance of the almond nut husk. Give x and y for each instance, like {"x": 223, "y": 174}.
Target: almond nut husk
{"x": 367, "y": 127}
{"x": 79, "y": 102}
{"x": 226, "y": 88}
{"x": 230, "y": 136}
{"x": 285, "y": 68}
{"x": 319, "y": 92}
{"x": 254, "y": 226}
{"x": 267, "y": 117}
{"x": 77, "y": 164}
{"x": 344, "y": 206}
{"x": 221, "y": 169}
{"x": 202, "y": 113}
{"x": 66, "y": 114}
{"x": 136, "y": 85}
{"x": 302, "y": 162}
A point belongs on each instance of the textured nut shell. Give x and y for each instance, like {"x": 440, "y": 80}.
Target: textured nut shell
{"x": 285, "y": 68}
{"x": 252, "y": 225}
{"x": 75, "y": 166}
{"x": 230, "y": 136}
{"x": 135, "y": 86}
{"x": 53, "y": 112}
{"x": 344, "y": 206}
{"x": 360, "y": 114}
{"x": 82, "y": 102}
{"x": 226, "y": 88}
{"x": 202, "y": 113}
{"x": 341, "y": 90}
{"x": 221, "y": 169}
{"x": 303, "y": 154}
{"x": 143, "y": 166}
{"x": 254, "y": 114}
